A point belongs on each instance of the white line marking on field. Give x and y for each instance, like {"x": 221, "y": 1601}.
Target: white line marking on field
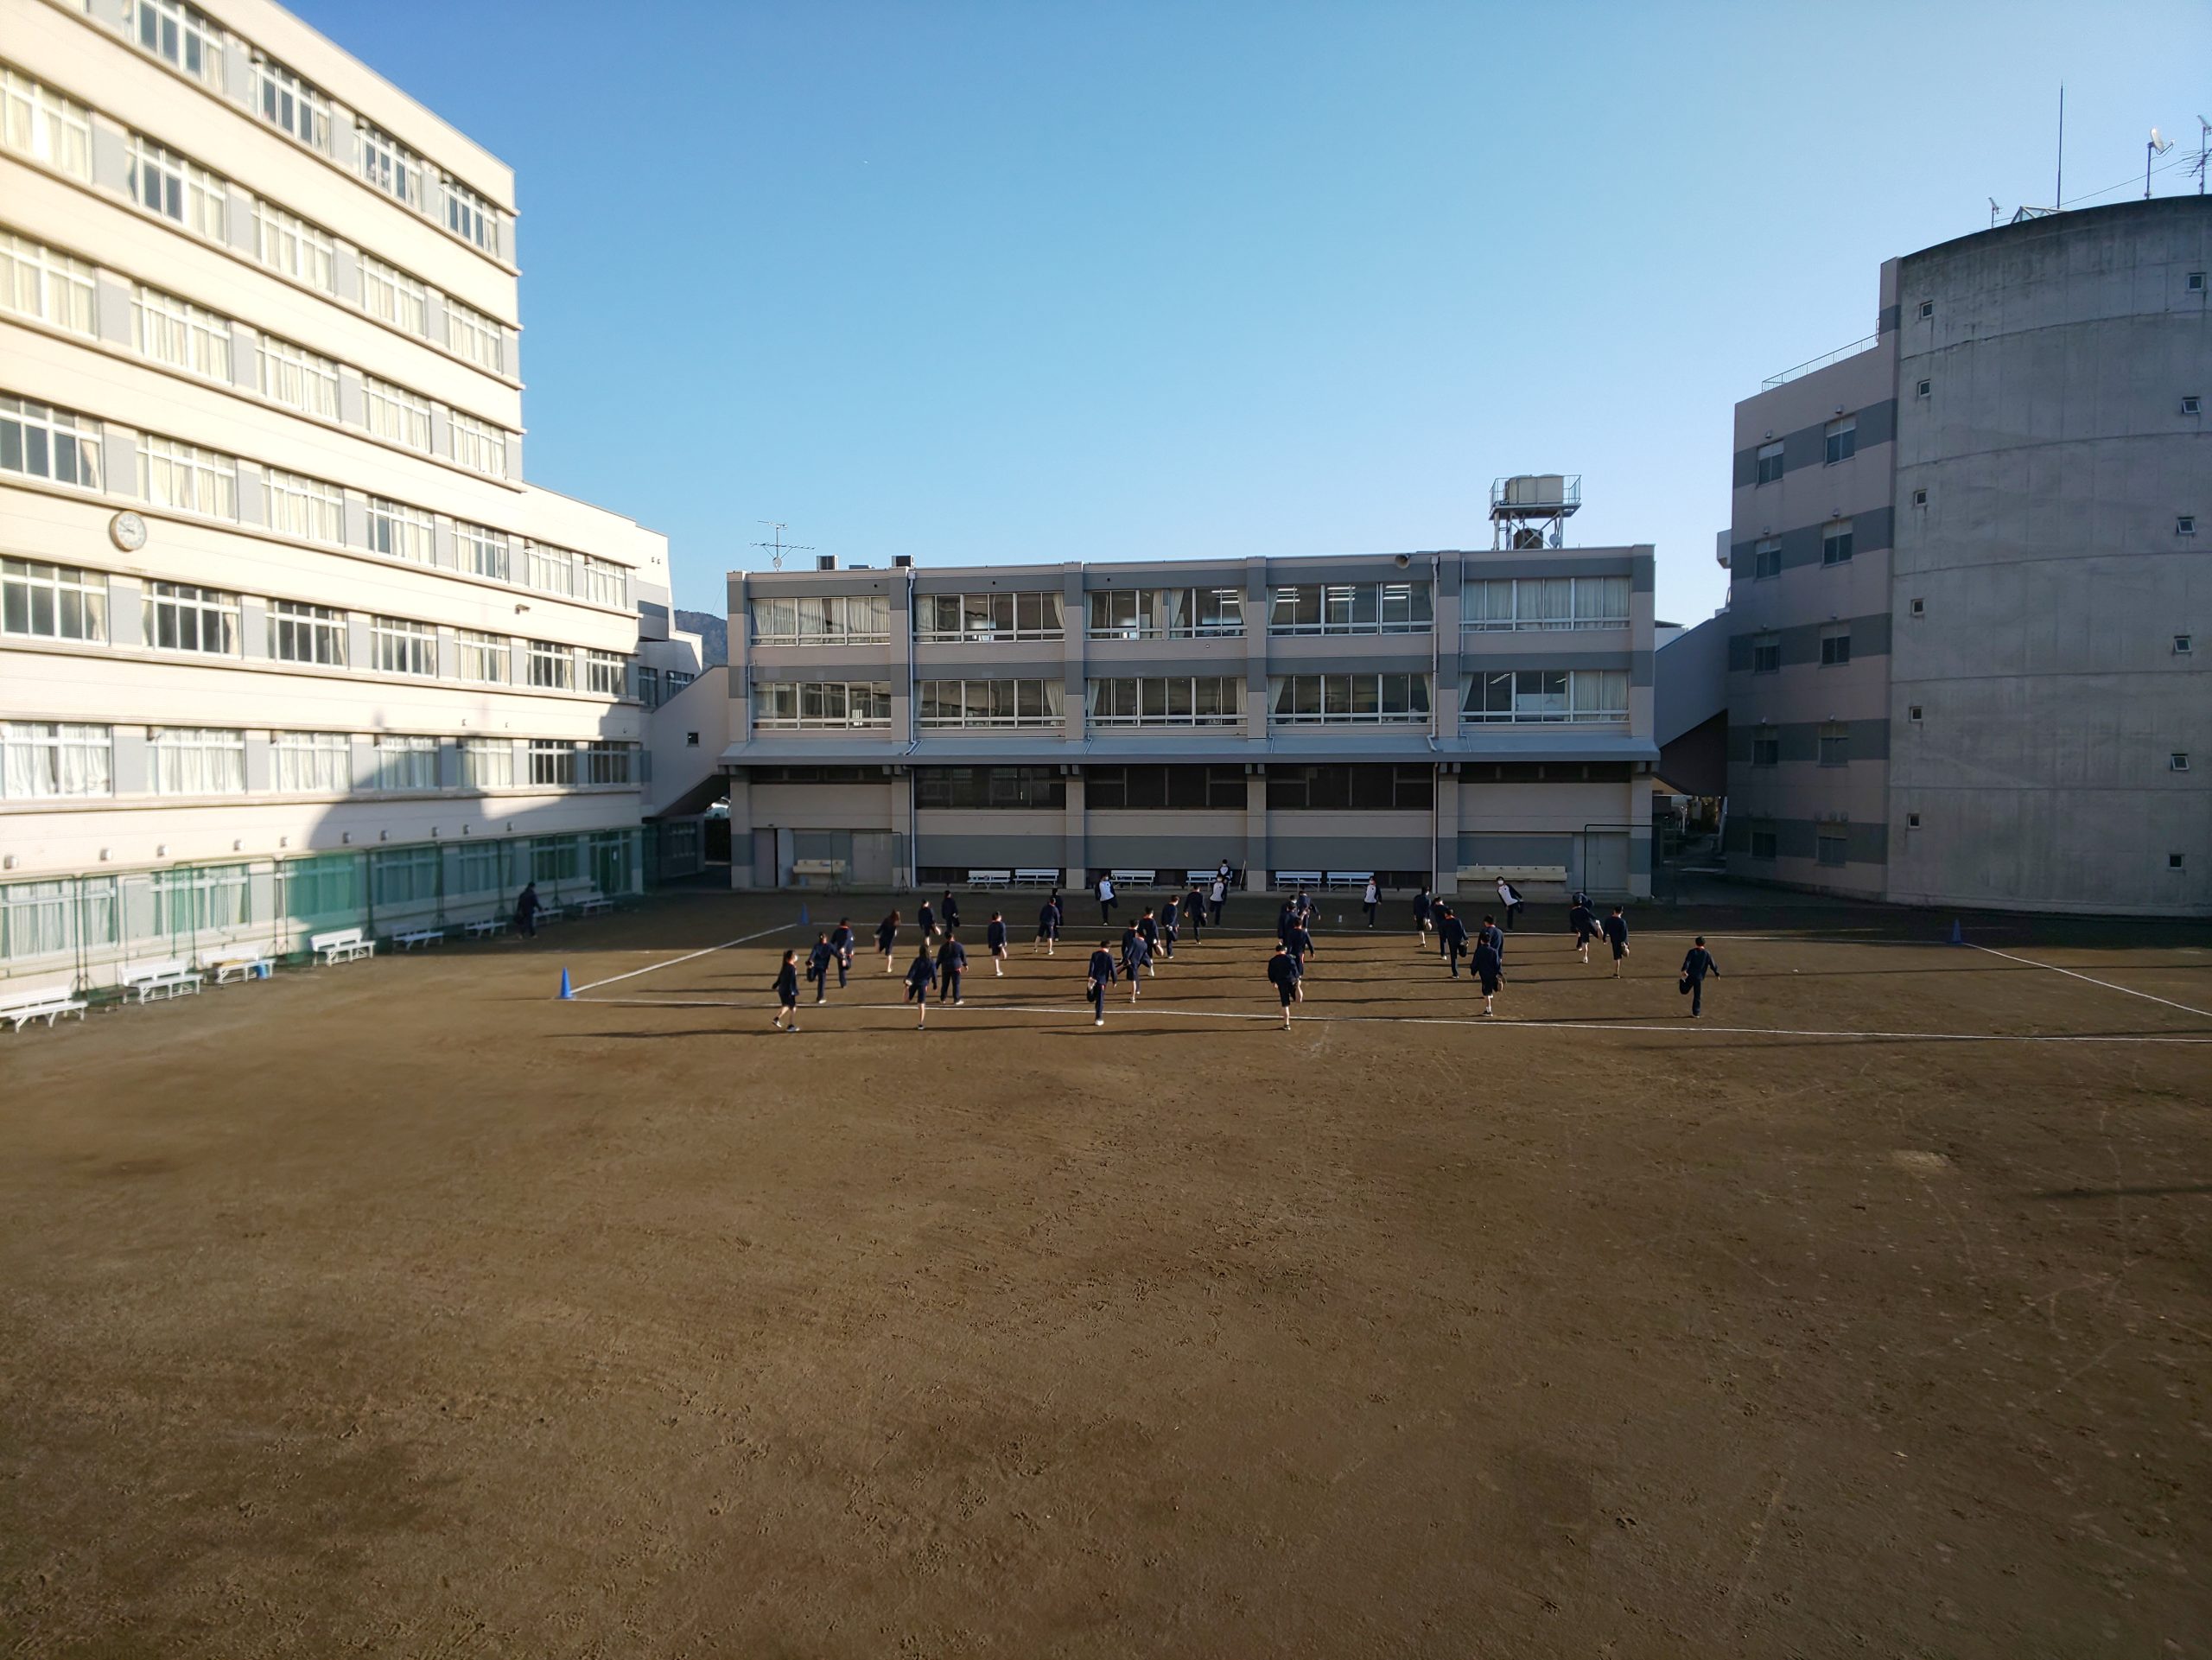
{"x": 1687, "y": 1028}
{"x": 2093, "y": 980}
{"x": 687, "y": 957}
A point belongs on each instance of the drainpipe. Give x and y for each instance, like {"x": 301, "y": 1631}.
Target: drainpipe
{"x": 913, "y": 740}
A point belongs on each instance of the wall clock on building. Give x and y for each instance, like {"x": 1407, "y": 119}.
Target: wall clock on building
{"x": 127, "y": 531}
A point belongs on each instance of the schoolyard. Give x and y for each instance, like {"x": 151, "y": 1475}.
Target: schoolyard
{"x": 401, "y": 1309}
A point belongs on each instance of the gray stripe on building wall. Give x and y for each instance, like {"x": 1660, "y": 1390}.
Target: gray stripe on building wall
{"x": 1639, "y": 856}
{"x": 1344, "y": 852}
{"x": 1527, "y": 564}
{"x": 1799, "y": 740}
{"x": 1643, "y": 574}
{"x": 1498, "y": 662}
{"x": 1801, "y": 642}
{"x": 1486, "y": 848}
{"x": 1809, "y": 446}
{"x": 1871, "y": 532}
{"x": 1886, "y": 322}
{"x": 1864, "y": 843}
{"x": 1639, "y": 668}
{"x": 999, "y": 668}
{"x": 1179, "y": 577}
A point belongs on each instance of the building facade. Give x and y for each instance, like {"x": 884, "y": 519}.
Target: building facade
{"x": 1415, "y": 715}
{"x": 1968, "y": 580}
{"x": 285, "y": 638}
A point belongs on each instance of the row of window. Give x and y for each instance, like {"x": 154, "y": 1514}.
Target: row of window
{"x": 1834, "y": 739}
{"x": 45, "y": 601}
{"x": 42, "y": 760}
{"x": 1169, "y": 787}
{"x": 188, "y": 39}
{"x": 1841, "y": 437}
{"x": 61, "y": 446}
{"x": 1836, "y": 546}
{"x": 1835, "y": 649}
{"x": 55, "y": 130}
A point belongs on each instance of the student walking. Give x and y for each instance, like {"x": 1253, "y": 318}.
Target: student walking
{"x": 1101, "y": 976}
{"x": 1136, "y": 952}
{"x": 927, "y": 919}
{"x": 886, "y": 941}
{"x": 995, "y": 938}
{"x": 1509, "y": 897}
{"x": 1371, "y": 901}
{"x": 1194, "y": 913}
{"x": 1696, "y": 966}
{"x": 921, "y": 974}
{"x": 1615, "y": 928}
{"x": 1490, "y": 931}
{"x": 1286, "y": 920}
{"x": 786, "y": 988}
{"x": 842, "y": 942}
{"x": 1048, "y": 925}
{"x": 1282, "y": 974}
{"x": 1168, "y": 929}
{"x": 951, "y": 963}
{"x": 526, "y": 909}
{"x": 949, "y": 911}
{"x": 818, "y": 966}
{"x": 1451, "y": 937}
{"x": 1424, "y": 918}
{"x": 1583, "y": 926}
{"x": 1105, "y": 900}
{"x": 1220, "y": 894}
{"x": 1148, "y": 927}
{"x": 1490, "y": 972}
{"x": 1299, "y": 943}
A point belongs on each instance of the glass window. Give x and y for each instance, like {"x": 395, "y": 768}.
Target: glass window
{"x": 53, "y": 288}
{"x": 1764, "y": 845}
{"x": 198, "y": 760}
{"x": 302, "y": 379}
{"x": 603, "y": 673}
{"x": 403, "y": 647}
{"x": 1351, "y": 609}
{"x": 550, "y": 570}
{"x": 554, "y": 859}
{"x": 178, "y": 333}
{"x": 1843, "y": 439}
{"x": 164, "y": 182}
{"x": 1343, "y": 788}
{"x": 1835, "y": 744}
{"x": 1770, "y": 463}
{"x": 821, "y": 704}
{"x": 1548, "y": 694}
{"x": 51, "y": 601}
{"x": 990, "y": 788}
{"x": 606, "y": 582}
{"x": 1174, "y": 700}
{"x": 391, "y": 293}
{"x": 472, "y": 219}
{"x": 477, "y": 445}
{"x": 38, "y": 122}
{"x": 610, "y": 763}
{"x": 402, "y": 876}
{"x": 306, "y": 508}
{"x": 483, "y": 658}
{"x": 394, "y": 414}
{"x": 180, "y": 34}
{"x": 822, "y": 619}
{"x": 182, "y": 618}
{"x": 1835, "y": 648}
{"x": 45, "y": 758}
{"x": 40, "y": 442}
{"x": 187, "y": 478}
{"x": 476, "y": 336}
{"x": 405, "y": 762}
{"x": 287, "y": 102}
{"x": 1766, "y": 654}
{"x": 483, "y": 550}
{"x": 401, "y": 532}
{"x": 1766, "y": 558}
{"x": 391, "y": 166}
{"x": 552, "y": 760}
{"x": 1835, "y": 542}
{"x": 1766, "y": 747}
{"x": 1833, "y": 844}
{"x": 46, "y": 919}
{"x": 307, "y": 634}
{"x": 488, "y": 764}
{"x": 312, "y": 763}
{"x": 200, "y": 899}
{"x": 318, "y": 887}
{"x": 289, "y": 243}
{"x": 552, "y": 665}
{"x": 990, "y": 702}
{"x": 1308, "y": 699}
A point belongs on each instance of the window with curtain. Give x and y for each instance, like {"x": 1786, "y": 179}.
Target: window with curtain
{"x": 36, "y": 281}
{"x": 990, "y": 702}
{"x": 51, "y": 129}
{"x": 406, "y": 762}
{"x": 312, "y": 763}
{"x": 199, "y": 760}
{"x": 1347, "y": 699}
{"x": 40, "y": 442}
{"x": 186, "y": 478}
{"x": 51, "y": 601}
{"x": 41, "y": 759}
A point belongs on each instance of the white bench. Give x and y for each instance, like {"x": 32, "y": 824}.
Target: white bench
{"x": 48, "y": 1003}
{"x": 593, "y": 905}
{"x": 415, "y": 937}
{"x": 1298, "y": 879}
{"x": 241, "y": 965}
{"x": 173, "y": 978}
{"x": 343, "y": 945}
{"x": 830, "y": 873}
{"x": 1351, "y": 878}
{"x": 1489, "y": 874}
{"x": 484, "y": 927}
{"x": 1133, "y": 877}
{"x": 1036, "y": 879}
{"x": 989, "y": 878}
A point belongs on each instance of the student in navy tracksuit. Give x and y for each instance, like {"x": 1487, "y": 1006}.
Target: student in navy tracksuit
{"x": 1102, "y": 976}
{"x": 818, "y": 966}
{"x": 921, "y": 974}
{"x": 1615, "y": 928}
{"x": 1282, "y": 974}
{"x": 1148, "y": 925}
{"x": 1048, "y": 924}
{"x": 949, "y": 911}
{"x": 1489, "y": 971}
{"x": 1194, "y": 913}
{"x": 995, "y": 938}
{"x": 1451, "y": 937}
{"x": 841, "y": 942}
{"x": 1490, "y": 931}
{"x": 951, "y": 963}
{"x": 1300, "y": 945}
{"x": 1136, "y": 952}
{"x": 1424, "y": 916}
{"x": 1695, "y": 967}
{"x": 1583, "y": 925}
{"x": 1167, "y": 929}
{"x": 928, "y": 921}
{"x": 786, "y": 985}
{"x": 1286, "y": 920}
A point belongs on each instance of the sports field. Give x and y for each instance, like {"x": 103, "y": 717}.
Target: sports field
{"x": 402, "y": 1309}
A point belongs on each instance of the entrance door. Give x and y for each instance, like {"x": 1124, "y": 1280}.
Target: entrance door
{"x": 1604, "y": 860}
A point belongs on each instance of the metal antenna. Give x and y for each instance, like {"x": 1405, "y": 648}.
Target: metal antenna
{"x": 2058, "y": 187}
{"x": 2157, "y": 146}
{"x": 777, "y": 546}
{"x": 1994, "y": 210}
{"x": 2204, "y": 149}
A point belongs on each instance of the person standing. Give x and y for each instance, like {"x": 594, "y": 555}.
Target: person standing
{"x": 995, "y": 938}
{"x": 1583, "y": 925}
{"x": 1615, "y": 928}
{"x": 787, "y": 987}
{"x": 1102, "y": 976}
{"x": 842, "y": 942}
{"x": 1371, "y": 901}
{"x": 1048, "y": 925}
{"x": 1105, "y": 899}
{"x": 951, "y": 963}
{"x": 1451, "y": 937}
{"x": 921, "y": 974}
{"x": 1220, "y": 895}
{"x": 1508, "y": 896}
{"x": 886, "y": 941}
{"x": 1490, "y": 972}
{"x": 1282, "y": 974}
{"x": 1424, "y": 918}
{"x": 949, "y": 911}
{"x": 526, "y": 910}
{"x": 818, "y": 966}
{"x": 1696, "y": 966}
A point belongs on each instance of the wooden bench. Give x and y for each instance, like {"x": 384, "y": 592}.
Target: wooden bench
{"x": 47, "y": 1004}
{"x": 1351, "y": 878}
{"x": 241, "y": 965}
{"x": 593, "y": 905}
{"x": 989, "y": 878}
{"x": 1489, "y": 874}
{"x": 1298, "y": 879}
{"x": 171, "y": 978}
{"x": 342, "y": 946}
{"x": 1036, "y": 879}
{"x": 1133, "y": 877}
{"x": 484, "y": 927}
{"x": 415, "y": 937}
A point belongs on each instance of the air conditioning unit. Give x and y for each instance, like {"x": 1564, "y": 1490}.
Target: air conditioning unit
{"x": 825, "y": 562}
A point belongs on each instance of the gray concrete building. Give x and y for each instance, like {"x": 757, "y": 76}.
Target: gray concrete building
{"x": 1431, "y": 717}
{"x": 1968, "y": 580}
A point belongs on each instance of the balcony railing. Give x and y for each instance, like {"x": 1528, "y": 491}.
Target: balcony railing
{"x": 1821, "y": 362}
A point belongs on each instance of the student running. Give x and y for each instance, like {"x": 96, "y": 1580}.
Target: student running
{"x": 921, "y": 974}
{"x": 1489, "y": 970}
{"x": 1148, "y": 927}
{"x": 1424, "y": 918}
{"x": 1583, "y": 926}
{"x": 1136, "y": 952}
{"x": 1102, "y": 976}
{"x": 842, "y": 942}
{"x": 1168, "y": 929}
{"x": 1451, "y": 937}
{"x": 886, "y": 941}
{"x": 1615, "y": 928}
{"x": 1219, "y": 896}
{"x": 1282, "y": 974}
{"x": 787, "y": 987}
{"x": 951, "y": 963}
{"x": 818, "y": 965}
{"x": 1696, "y": 966}
{"x": 1105, "y": 900}
{"x": 1049, "y": 918}
{"x": 995, "y": 938}
{"x": 927, "y": 920}
{"x": 1194, "y": 913}
{"x": 949, "y": 911}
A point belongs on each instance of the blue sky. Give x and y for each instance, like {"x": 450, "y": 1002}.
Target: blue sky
{"x": 990, "y": 282}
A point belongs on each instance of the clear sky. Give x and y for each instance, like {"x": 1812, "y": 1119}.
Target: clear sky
{"x": 1074, "y": 279}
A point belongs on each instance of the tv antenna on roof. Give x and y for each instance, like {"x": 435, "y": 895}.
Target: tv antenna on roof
{"x": 2204, "y": 149}
{"x": 777, "y": 546}
{"x": 2157, "y": 146}
{"x": 1994, "y": 210}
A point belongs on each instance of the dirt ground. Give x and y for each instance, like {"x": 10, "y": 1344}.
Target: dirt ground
{"x": 402, "y": 1309}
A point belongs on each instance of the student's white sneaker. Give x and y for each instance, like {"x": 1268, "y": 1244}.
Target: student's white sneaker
{"x": 1099, "y": 1022}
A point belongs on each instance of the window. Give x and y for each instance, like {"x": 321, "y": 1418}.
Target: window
{"x": 483, "y": 550}
{"x": 163, "y": 182}
{"x": 201, "y": 899}
{"x": 1835, "y": 542}
{"x": 401, "y": 876}
{"x": 1350, "y": 609}
{"x": 2185, "y": 645}
{"x": 294, "y": 376}
{"x": 1134, "y": 613}
{"x": 2174, "y": 861}
{"x": 985, "y": 788}
{"x": 821, "y": 704}
{"x": 1919, "y": 608}
{"x": 488, "y": 764}
{"x": 550, "y": 570}
{"x": 1843, "y": 439}
{"x": 1766, "y": 558}
{"x": 603, "y": 673}
{"x": 288, "y": 102}
{"x": 2196, "y": 285}
{"x": 607, "y": 582}
{"x": 1545, "y": 602}
{"x": 1922, "y": 389}
{"x": 610, "y": 763}
{"x": 43, "y": 758}
{"x": 1928, "y": 308}
{"x": 40, "y": 442}
{"x": 40, "y": 122}
{"x": 483, "y": 658}
{"x": 35, "y": 282}
{"x": 1920, "y": 497}
{"x": 403, "y": 647}
{"x": 396, "y": 414}
{"x": 182, "y": 618}
{"x": 1164, "y": 789}
{"x": 198, "y": 760}
{"x": 1762, "y": 844}
{"x": 1835, "y": 744}
{"x": 990, "y": 702}
{"x": 2185, "y": 526}
{"x": 1912, "y": 713}
{"x": 1770, "y": 463}
{"x": 401, "y": 532}
{"x": 1577, "y": 696}
{"x": 307, "y": 634}
{"x": 552, "y": 665}
{"x": 678, "y": 679}
{"x": 51, "y": 601}
{"x": 391, "y": 166}
{"x": 406, "y": 763}
{"x": 391, "y": 293}
{"x": 2178, "y": 761}
{"x": 306, "y": 508}
{"x": 1766, "y": 654}
{"x": 45, "y": 919}
{"x": 648, "y": 686}
{"x": 472, "y": 219}
{"x": 552, "y": 760}
{"x": 188, "y": 479}
{"x": 479, "y": 446}
{"x": 312, "y": 763}
{"x": 984, "y": 618}
{"x": 1766, "y": 747}
{"x": 1351, "y": 789}
{"x": 554, "y": 859}
{"x": 290, "y": 245}
{"x": 1835, "y": 647}
{"x": 182, "y": 335}
{"x": 1171, "y": 700}
{"x": 2192, "y": 405}
{"x": 476, "y": 336}
{"x": 1833, "y": 844}
{"x": 821, "y": 619}
{"x": 181, "y": 35}
{"x": 1912, "y": 820}
{"x": 1330, "y": 699}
